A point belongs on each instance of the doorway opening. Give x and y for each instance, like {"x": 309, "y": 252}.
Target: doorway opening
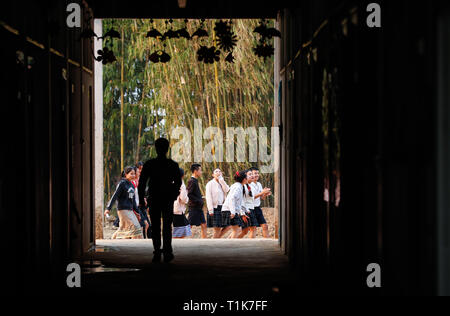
{"x": 220, "y": 113}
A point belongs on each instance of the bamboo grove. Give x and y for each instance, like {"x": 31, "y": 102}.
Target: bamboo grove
{"x": 152, "y": 97}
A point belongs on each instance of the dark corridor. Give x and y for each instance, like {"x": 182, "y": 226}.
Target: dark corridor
{"x": 364, "y": 139}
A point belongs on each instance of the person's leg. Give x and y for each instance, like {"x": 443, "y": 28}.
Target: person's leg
{"x": 146, "y": 229}
{"x": 235, "y": 232}
{"x": 265, "y": 230}
{"x": 252, "y": 232}
{"x": 243, "y": 232}
{"x": 204, "y": 230}
{"x": 262, "y": 222}
{"x": 224, "y": 230}
{"x": 217, "y": 231}
{"x": 155, "y": 217}
{"x": 167, "y": 230}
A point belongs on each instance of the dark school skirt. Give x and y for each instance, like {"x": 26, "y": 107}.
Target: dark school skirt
{"x": 181, "y": 226}
{"x": 228, "y": 221}
{"x": 259, "y": 216}
{"x": 215, "y": 220}
{"x": 196, "y": 217}
{"x": 252, "y": 221}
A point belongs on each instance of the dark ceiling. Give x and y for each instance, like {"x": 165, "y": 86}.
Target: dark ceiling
{"x": 194, "y": 9}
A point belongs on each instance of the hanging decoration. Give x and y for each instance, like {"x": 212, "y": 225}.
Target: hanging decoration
{"x": 226, "y": 39}
{"x": 170, "y": 33}
{"x": 112, "y": 33}
{"x": 229, "y": 58}
{"x": 208, "y": 54}
{"x": 264, "y": 48}
{"x": 183, "y": 32}
{"x": 200, "y": 32}
{"x": 160, "y": 55}
{"x": 266, "y": 32}
{"x": 154, "y": 33}
{"x": 106, "y": 56}
{"x": 87, "y": 33}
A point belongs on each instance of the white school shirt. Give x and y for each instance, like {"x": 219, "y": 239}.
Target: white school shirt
{"x": 249, "y": 201}
{"x": 234, "y": 202}
{"x": 179, "y": 205}
{"x": 216, "y": 193}
{"x": 256, "y": 189}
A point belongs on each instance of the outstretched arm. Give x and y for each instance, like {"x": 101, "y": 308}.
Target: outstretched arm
{"x": 114, "y": 197}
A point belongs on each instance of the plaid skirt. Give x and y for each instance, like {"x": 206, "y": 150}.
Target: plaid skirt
{"x": 228, "y": 221}
{"x": 215, "y": 220}
{"x": 252, "y": 220}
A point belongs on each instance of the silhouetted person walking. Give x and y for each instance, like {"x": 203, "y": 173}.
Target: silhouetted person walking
{"x": 161, "y": 176}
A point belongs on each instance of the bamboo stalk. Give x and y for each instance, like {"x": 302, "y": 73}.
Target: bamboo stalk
{"x": 121, "y": 105}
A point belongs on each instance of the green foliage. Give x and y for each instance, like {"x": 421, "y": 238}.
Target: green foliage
{"x": 158, "y": 97}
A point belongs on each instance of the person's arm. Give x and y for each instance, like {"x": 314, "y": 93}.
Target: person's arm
{"x": 116, "y": 194}
{"x": 143, "y": 184}
{"x": 209, "y": 199}
{"x": 135, "y": 206}
{"x": 224, "y": 185}
{"x": 183, "y": 195}
{"x": 237, "y": 201}
{"x": 262, "y": 192}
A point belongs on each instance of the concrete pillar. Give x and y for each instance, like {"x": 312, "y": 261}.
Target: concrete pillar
{"x": 276, "y": 123}
{"x": 98, "y": 134}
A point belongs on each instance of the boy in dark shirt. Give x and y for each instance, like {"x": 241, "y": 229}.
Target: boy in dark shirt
{"x": 195, "y": 204}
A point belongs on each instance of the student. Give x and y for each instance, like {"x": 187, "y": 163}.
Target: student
{"x": 159, "y": 187}
{"x": 144, "y": 209}
{"x": 216, "y": 191}
{"x": 144, "y": 221}
{"x": 196, "y": 216}
{"x": 129, "y": 227}
{"x": 181, "y": 227}
{"x": 249, "y": 199}
{"x": 259, "y": 193}
{"x": 233, "y": 208}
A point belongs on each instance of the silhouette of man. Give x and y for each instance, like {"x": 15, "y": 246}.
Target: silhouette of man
{"x": 161, "y": 176}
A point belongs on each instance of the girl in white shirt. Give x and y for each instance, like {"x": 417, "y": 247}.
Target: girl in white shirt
{"x": 249, "y": 203}
{"x": 181, "y": 226}
{"x": 259, "y": 193}
{"x": 233, "y": 209}
{"x": 216, "y": 191}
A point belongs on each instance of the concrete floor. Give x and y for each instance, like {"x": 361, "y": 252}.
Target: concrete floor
{"x": 213, "y": 269}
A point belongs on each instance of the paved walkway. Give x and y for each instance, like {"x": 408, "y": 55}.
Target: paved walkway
{"x": 202, "y": 268}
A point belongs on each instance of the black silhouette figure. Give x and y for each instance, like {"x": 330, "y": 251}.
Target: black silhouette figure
{"x": 161, "y": 177}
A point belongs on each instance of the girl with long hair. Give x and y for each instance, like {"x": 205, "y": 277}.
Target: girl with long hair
{"x": 233, "y": 209}
{"x": 249, "y": 203}
{"x": 129, "y": 227}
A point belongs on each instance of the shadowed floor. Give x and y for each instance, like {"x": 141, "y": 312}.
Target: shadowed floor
{"x": 224, "y": 268}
